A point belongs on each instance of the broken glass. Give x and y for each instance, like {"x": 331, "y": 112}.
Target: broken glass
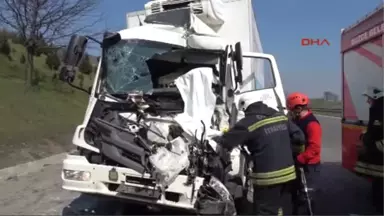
{"x": 125, "y": 68}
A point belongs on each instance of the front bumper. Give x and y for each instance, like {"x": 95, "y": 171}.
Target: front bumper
{"x": 81, "y": 176}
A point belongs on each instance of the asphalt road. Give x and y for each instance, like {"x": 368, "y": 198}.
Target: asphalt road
{"x": 37, "y": 190}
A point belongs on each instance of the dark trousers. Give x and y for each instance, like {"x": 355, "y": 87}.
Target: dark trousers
{"x": 267, "y": 200}
{"x": 377, "y": 194}
{"x": 299, "y": 203}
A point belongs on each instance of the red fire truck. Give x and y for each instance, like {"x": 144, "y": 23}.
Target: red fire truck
{"x": 362, "y": 56}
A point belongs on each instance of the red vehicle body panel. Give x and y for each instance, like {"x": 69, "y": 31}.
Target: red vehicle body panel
{"x": 362, "y": 66}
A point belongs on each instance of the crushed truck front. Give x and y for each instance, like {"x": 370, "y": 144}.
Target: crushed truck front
{"x": 142, "y": 137}
{"x": 168, "y": 74}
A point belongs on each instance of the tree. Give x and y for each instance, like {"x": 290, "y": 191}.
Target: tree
{"x": 53, "y": 61}
{"x": 43, "y": 46}
{"x": 85, "y": 65}
{"x": 22, "y": 59}
{"x": 5, "y": 48}
{"x": 41, "y": 22}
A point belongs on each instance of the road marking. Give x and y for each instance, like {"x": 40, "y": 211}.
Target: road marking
{"x": 33, "y": 166}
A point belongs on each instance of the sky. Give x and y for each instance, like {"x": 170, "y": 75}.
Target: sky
{"x": 282, "y": 24}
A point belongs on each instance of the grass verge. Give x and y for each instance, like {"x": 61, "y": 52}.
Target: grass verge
{"x": 35, "y": 123}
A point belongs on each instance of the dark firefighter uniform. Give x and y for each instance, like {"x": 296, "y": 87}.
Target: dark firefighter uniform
{"x": 266, "y": 133}
{"x": 370, "y": 159}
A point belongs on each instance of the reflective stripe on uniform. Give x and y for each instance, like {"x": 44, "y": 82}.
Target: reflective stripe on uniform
{"x": 377, "y": 123}
{"x": 369, "y": 169}
{"x": 274, "y": 177}
{"x": 379, "y": 145}
{"x": 266, "y": 121}
{"x": 280, "y": 212}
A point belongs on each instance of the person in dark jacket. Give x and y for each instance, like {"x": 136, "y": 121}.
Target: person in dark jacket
{"x": 310, "y": 158}
{"x": 266, "y": 133}
{"x": 370, "y": 157}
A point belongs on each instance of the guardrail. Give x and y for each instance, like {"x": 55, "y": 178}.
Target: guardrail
{"x": 339, "y": 110}
{"x": 330, "y": 112}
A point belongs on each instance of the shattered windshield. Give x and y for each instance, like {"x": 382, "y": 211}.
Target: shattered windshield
{"x": 124, "y": 66}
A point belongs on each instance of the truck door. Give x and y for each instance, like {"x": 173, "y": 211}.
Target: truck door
{"x": 261, "y": 81}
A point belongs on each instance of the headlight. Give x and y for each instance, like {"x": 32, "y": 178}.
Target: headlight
{"x": 76, "y": 175}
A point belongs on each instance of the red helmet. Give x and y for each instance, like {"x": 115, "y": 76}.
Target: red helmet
{"x": 297, "y": 99}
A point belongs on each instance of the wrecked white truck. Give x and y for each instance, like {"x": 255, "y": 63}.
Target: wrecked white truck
{"x": 161, "y": 92}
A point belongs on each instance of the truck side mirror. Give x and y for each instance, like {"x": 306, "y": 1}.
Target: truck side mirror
{"x": 72, "y": 58}
{"x": 67, "y": 74}
{"x": 238, "y": 58}
{"x": 75, "y": 50}
{"x": 110, "y": 38}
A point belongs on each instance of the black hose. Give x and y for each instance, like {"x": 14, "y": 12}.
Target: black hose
{"x": 203, "y": 132}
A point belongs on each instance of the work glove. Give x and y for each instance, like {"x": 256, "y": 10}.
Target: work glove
{"x": 224, "y": 129}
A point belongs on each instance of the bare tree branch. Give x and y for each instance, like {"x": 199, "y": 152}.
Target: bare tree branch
{"x": 42, "y": 22}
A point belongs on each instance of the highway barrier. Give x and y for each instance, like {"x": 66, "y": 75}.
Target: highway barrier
{"x": 332, "y": 112}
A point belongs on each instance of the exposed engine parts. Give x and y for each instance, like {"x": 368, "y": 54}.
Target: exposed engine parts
{"x": 133, "y": 142}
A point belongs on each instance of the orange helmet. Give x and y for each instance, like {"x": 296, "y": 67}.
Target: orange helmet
{"x": 297, "y": 99}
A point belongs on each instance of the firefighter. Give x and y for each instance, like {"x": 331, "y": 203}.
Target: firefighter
{"x": 370, "y": 157}
{"x": 266, "y": 134}
{"x": 309, "y": 159}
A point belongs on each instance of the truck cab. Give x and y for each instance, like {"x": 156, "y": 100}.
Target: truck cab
{"x": 162, "y": 91}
